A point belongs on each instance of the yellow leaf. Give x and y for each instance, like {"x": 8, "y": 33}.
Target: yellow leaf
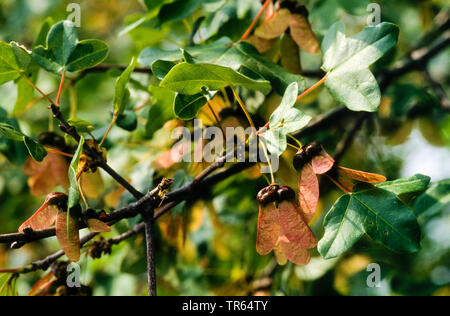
{"x": 275, "y": 26}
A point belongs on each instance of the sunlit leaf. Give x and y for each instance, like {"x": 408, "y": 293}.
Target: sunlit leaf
{"x": 191, "y": 79}
{"x": 121, "y": 88}
{"x": 186, "y": 107}
{"x": 377, "y": 212}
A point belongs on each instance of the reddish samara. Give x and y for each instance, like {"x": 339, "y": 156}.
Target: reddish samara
{"x": 282, "y": 226}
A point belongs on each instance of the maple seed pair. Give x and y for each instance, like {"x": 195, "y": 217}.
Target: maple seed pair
{"x": 54, "y": 210}
{"x": 283, "y": 227}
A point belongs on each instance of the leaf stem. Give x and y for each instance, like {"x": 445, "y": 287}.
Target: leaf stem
{"x": 252, "y": 26}
{"x": 63, "y": 76}
{"x": 314, "y": 87}
{"x": 115, "y": 117}
{"x": 216, "y": 117}
{"x": 37, "y": 89}
{"x": 55, "y": 151}
{"x": 295, "y": 140}
{"x": 247, "y": 114}
{"x": 272, "y": 175}
{"x": 82, "y": 194}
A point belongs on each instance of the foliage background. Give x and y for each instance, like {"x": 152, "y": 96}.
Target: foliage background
{"x": 219, "y": 255}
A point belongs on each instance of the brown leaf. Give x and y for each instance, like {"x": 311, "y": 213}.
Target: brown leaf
{"x": 308, "y": 191}
{"x": 68, "y": 236}
{"x": 290, "y": 55}
{"x": 45, "y": 216}
{"x": 45, "y": 176}
{"x": 294, "y": 252}
{"x": 294, "y": 227}
{"x": 42, "y": 284}
{"x": 97, "y": 226}
{"x": 361, "y": 175}
{"x": 322, "y": 163}
{"x": 268, "y": 229}
{"x": 275, "y": 26}
{"x": 261, "y": 44}
{"x": 303, "y": 34}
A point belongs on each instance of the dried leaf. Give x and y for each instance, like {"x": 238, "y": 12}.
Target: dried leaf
{"x": 308, "y": 191}
{"x": 294, "y": 252}
{"x": 92, "y": 184}
{"x": 45, "y": 176}
{"x": 322, "y": 163}
{"x": 361, "y": 175}
{"x": 275, "y": 26}
{"x": 97, "y": 226}
{"x": 45, "y": 216}
{"x": 42, "y": 284}
{"x": 68, "y": 236}
{"x": 294, "y": 227}
{"x": 303, "y": 34}
{"x": 261, "y": 44}
{"x": 268, "y": 229}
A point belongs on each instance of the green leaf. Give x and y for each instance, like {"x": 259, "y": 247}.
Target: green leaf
{"x": 128, "y": 121}
{"x": 434, "y": 199}
{"x": 347, "y": 62}
{"x": 74, "y": 192}
{"x": 25, "y": 92}
{"x": 9, "y": 67}
{"x": 284, "y": 120}
{"x": 11, "y": 132}
{"x": 82, "y": 126}
{"x": 36, "y": 150}
{"x": 374, "y": 211}
{"x": 61, "y": 43}
{"x": 14, "y": 151}
{"x": 41, "y": 38}
{"x": 161, "y": 68}
{"x": 161, "y": 110}
{"x": 414, "y": 184}
{"x": 191, "y": 79}
{"x": 23, "y": 57}
{"x": 63, "y": 51}
{"x": 224, "y": 53}
{"x": 121, "y": 88}
{"x": 358, "y": 90}
{"x": 359, "y": 51}
{"x": 186, "y": 107}
{"x": 244, "y": 54}
{"x": 88, "y": 54}
{"x": 180, "y": 9}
